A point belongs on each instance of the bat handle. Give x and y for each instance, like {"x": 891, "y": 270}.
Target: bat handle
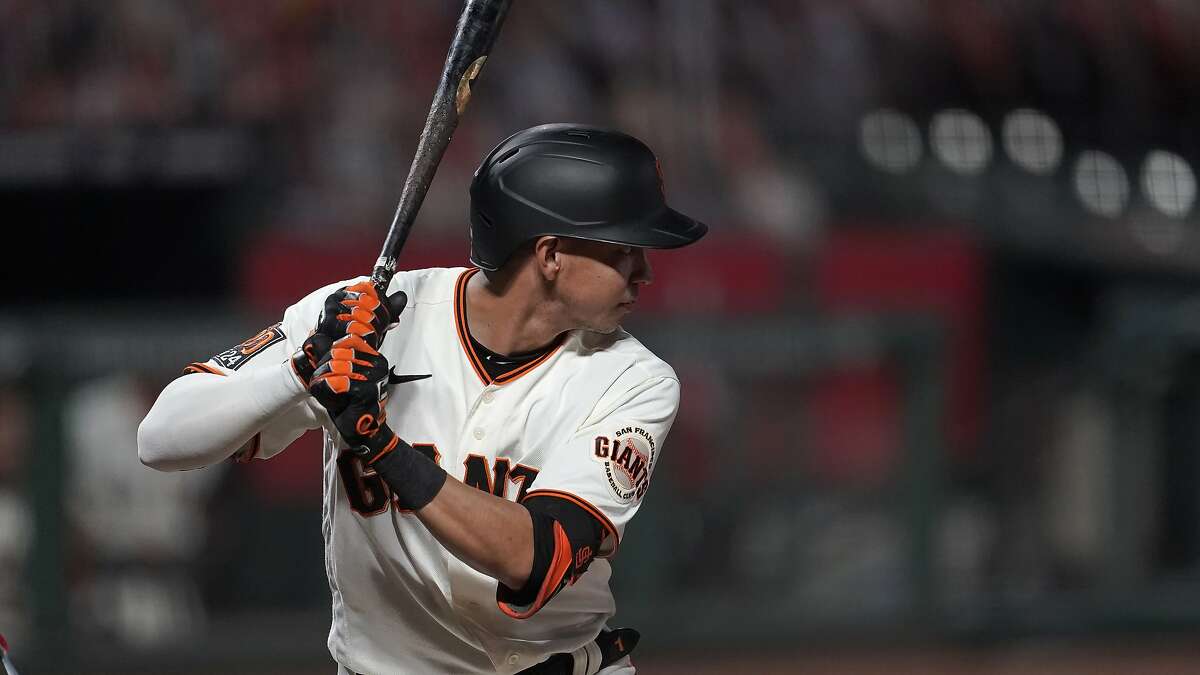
{"x": 382, "y": 275}
{"x": 9, "y": 668}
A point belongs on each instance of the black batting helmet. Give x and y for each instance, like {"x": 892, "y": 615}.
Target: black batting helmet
{"x": 576, "y": 181}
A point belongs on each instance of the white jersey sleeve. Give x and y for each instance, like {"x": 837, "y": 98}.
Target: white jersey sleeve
{"x": 271, "y": 349}
{"x": 607, "y": 464}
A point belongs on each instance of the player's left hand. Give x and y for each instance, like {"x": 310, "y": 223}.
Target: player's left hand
{"x": 358, "y": 310}
{"x": 308, "y": 357}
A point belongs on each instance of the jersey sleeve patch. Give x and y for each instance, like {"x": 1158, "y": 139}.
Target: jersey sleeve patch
{"x": 236, "y": 357}
{"x": 627, "y": 460}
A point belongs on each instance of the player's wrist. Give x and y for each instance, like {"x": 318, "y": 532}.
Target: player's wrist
{"x": 414, "y": 479}
{"x": 372, "y": 448}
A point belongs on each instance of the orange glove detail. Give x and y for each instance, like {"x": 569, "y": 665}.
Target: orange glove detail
{"x": 350, "y": 361}
{"x": 358, "y": 310}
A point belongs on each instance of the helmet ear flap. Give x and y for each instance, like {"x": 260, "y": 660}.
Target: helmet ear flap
{"x": 485, "y": 242}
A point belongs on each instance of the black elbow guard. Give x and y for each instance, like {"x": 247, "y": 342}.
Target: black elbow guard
{"x": 565, "y": 541}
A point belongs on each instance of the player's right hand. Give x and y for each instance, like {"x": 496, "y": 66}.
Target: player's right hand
{"x": 358, "y": 310}
{"x": 351, "y": 369}
{"x": 351, "y": 383}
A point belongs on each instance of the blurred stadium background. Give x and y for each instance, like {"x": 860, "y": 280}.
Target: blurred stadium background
{"x": 941, "y": 351}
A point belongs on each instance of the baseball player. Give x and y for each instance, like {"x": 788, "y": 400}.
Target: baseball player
{"x": 482, "y": 462}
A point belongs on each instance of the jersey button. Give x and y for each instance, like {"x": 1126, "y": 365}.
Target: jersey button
{"x": 513, "y": 659}
{"x": 478, "y": 434}
{"x": 488, "y": 397}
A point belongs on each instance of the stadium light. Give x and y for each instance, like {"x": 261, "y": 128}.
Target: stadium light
{"x": 1032, "y": 141}
{"x": 1101, "y": 183}
{"x": 1168, "y": 182}
{"x": 961, "y": 140}
{"x": 890, "y": 140}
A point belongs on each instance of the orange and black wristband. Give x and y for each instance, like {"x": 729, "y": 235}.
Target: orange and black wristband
{"x": 414, "y": 478}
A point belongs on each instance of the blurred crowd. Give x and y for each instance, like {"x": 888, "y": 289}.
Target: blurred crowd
{"x": 299, "y": 62}
{"x": 748, "y": 102}
{"x": 16, "y": 516}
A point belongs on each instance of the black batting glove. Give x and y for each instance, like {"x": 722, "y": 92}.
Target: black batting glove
{"x": 359, "y": 310}
{"x": 351, "y": 369}
{"x": 363, "y": 425}
{"x": 612, "y": 645}
{"x": 352, "y": 383}
{"x": 308, "y": 357}
{"x": 353, "y": 310}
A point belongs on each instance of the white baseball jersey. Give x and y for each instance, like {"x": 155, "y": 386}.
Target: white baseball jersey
{"x": 584, "y": 423}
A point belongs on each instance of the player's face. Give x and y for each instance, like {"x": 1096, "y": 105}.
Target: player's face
{"x": 599, "y": 282}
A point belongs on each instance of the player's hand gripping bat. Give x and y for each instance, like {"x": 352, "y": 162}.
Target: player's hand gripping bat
{"x": 473, "y": 38}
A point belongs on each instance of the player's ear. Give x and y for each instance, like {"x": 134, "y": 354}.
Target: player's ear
{"x": 547, "y": 253}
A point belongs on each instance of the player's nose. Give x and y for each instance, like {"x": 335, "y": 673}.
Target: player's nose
{"x": 642, "y": 273}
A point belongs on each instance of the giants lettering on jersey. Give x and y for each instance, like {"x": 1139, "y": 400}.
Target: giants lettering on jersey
{"x": 495, "y": 481}
{"x": 370, "y": 496}
{"x": 628, "y": 459}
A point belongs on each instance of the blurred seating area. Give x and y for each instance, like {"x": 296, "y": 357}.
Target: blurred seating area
{"x": 753, "y": 106}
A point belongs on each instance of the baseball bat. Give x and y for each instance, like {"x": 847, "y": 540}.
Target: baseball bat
{"x": 9, "y": 668}
{"x": 477, "y": 29}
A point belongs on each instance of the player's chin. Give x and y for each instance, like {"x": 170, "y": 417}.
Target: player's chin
{"x": 608, "y": 319}
{"x": 622, "y": 310}
{"x": 608, "y": 323}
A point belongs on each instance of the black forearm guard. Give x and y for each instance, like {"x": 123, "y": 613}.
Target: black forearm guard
{"x": 565, "y": 540}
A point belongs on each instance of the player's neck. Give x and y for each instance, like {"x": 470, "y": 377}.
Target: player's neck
{"x": 513, "y": 317}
